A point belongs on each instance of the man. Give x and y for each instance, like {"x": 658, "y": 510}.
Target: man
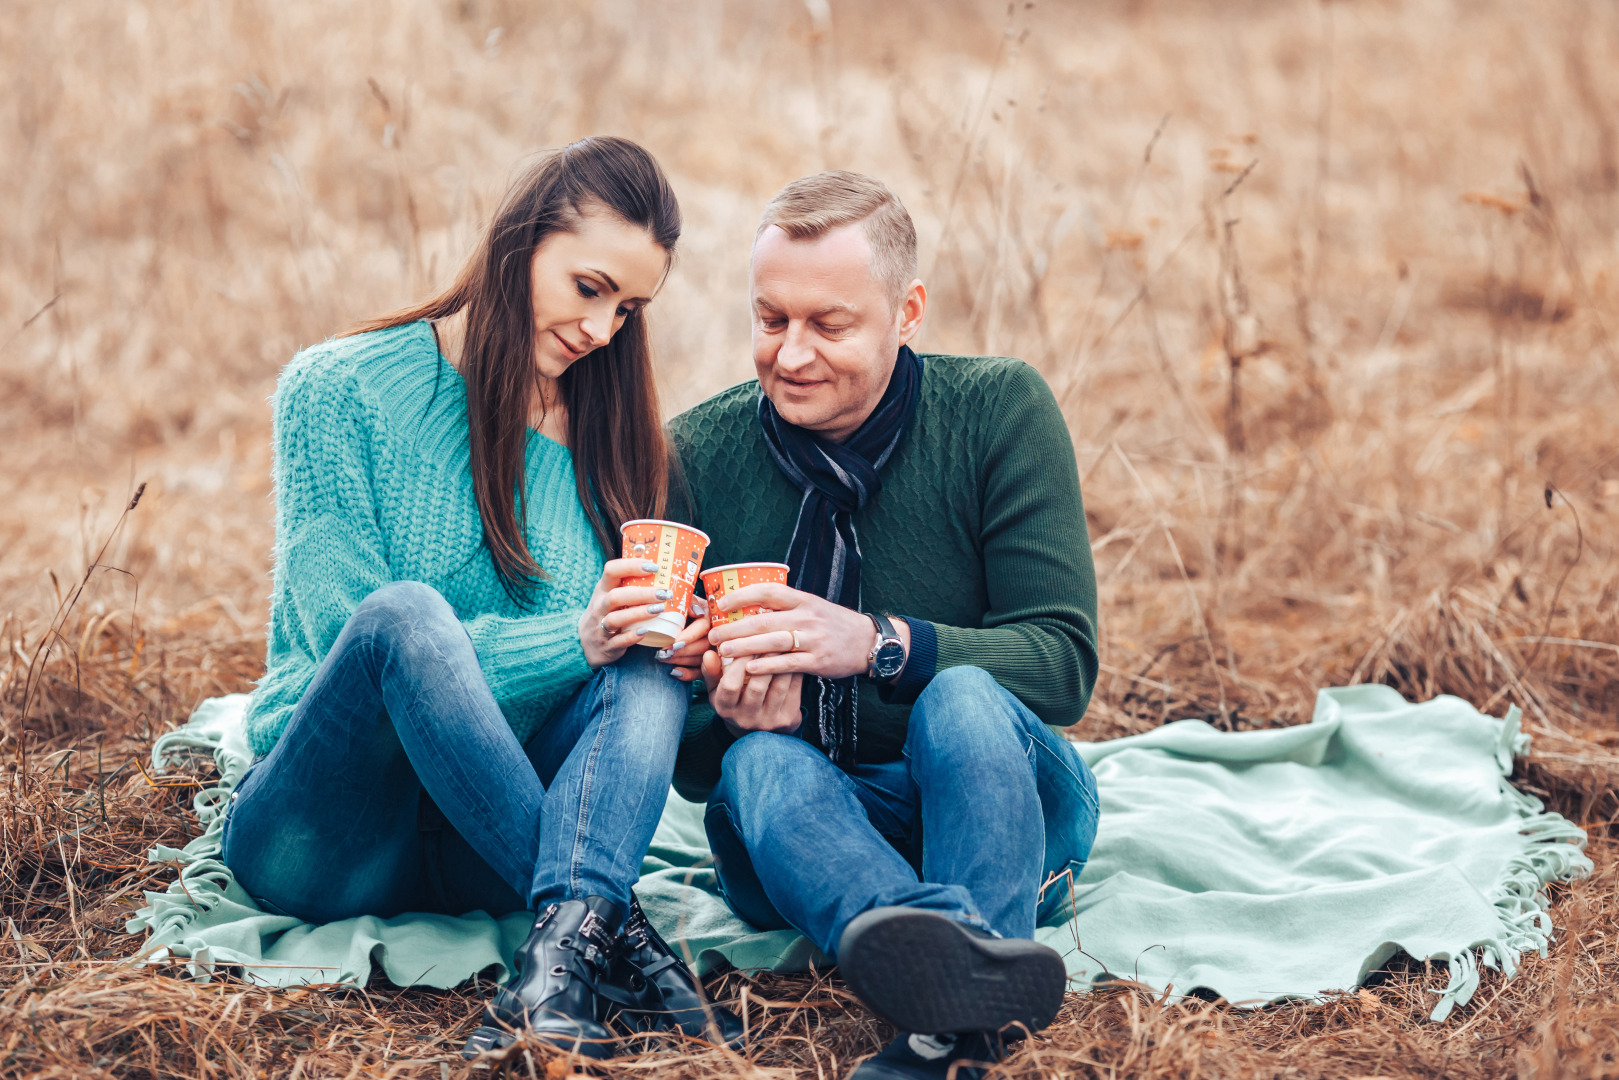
{"x": 874, "y": 751}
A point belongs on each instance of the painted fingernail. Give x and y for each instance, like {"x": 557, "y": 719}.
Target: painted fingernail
{"x": 664, "y": 654}
{"x": 674, "y": 672}
{"x": 663, "y": 594}
{"x": 698, "y": 607}
{"x": 653, "y": 609}
{"x": 727, "y": 661}
{"x": 640, "y": 630}
{"x": 650, "y": 567}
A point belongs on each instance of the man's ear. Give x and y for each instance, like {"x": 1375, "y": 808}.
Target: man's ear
{"x": 911, "y": 309}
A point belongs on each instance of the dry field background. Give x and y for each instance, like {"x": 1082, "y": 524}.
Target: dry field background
{"x": 1329, "y": 293}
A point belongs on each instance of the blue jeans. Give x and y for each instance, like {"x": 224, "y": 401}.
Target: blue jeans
{"x": 398, "y": 785}
{"x": 985, "y": 808}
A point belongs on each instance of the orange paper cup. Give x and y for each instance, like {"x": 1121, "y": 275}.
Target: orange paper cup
{"x": 723, "y": 579}
{"x": 678, "y": 551}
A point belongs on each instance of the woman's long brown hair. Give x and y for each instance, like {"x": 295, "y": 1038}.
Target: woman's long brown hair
{"x": 621, "y": 457}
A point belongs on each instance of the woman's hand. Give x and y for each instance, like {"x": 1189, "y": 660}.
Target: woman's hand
{"x": 832, "y": 641}
{"x": 756, "y": 703}
{"x": 604, "y": 628}
{"x": 685, "y": 655}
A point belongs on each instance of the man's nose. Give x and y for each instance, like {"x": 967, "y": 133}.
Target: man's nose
{"x": 797, "y": 350}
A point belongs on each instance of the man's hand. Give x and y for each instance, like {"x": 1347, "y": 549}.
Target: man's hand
{"x": 760, "y": 703}
{"x": 834, "y": 642}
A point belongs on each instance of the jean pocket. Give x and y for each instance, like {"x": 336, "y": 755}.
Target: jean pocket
{"x": 230, "y": 807}
{"x": 270, "y": 909}
{"x": 1069, "y": 805}
{"x": 1064, "y": 767}
{"x": 224, "y": 827}
{"x": 1057, "y": 892}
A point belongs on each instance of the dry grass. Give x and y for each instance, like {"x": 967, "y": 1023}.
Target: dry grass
{"x": 1336, "y": 340}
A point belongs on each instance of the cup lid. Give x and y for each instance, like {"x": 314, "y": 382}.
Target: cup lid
{"x": 661, "y": 521}
{"x": 746, "y": 566}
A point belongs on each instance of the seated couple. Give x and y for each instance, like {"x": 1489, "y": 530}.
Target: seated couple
{"x": 457, "y": 714}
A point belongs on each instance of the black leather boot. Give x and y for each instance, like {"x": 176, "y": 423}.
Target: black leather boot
{"x": 654, "y": 990}
{"x": 554, "y": 993}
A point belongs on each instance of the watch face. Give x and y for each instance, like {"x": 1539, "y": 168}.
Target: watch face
{"x": 890, "y": 658}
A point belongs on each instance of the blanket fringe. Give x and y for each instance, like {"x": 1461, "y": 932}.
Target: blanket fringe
{"x": 1553, "y": 850}
{"x": 203, "y": 878}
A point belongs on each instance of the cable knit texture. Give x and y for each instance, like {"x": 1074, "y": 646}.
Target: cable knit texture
{"x": 373, "y": 484}
{"x": 977, "y": 538}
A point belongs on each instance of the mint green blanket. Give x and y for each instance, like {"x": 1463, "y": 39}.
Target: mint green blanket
{"x": 1259, "y": 866}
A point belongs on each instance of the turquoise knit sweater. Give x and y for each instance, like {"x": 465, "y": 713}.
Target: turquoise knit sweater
{"x": 373, "y": 484}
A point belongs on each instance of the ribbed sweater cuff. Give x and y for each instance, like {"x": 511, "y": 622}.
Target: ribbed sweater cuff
{"x": 921, "y": 664}
{"x": 527, "y": 656}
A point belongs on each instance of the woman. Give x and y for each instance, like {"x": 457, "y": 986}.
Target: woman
{"x": 453, "y": 715}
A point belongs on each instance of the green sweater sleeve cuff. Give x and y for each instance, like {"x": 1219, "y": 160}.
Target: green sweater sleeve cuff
{"x": 920, "y": 665}
{"x": 1051, "y": 668}
{"x": 522, "y": 657}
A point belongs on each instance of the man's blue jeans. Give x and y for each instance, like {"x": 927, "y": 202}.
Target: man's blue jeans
{"x": 332, "y": 823}
{"x": 986, "y": 807}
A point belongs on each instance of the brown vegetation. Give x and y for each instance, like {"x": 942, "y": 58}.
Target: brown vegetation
{"x": 1327, "y": 291}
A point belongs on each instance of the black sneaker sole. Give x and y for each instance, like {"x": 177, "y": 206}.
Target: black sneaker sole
{"x": 928, "y": 974}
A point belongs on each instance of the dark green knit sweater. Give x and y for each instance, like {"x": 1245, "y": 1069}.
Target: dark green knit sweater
{"x": 978, "y": 538}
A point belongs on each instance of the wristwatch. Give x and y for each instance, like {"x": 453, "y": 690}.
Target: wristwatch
{"x": 888, "y": 654}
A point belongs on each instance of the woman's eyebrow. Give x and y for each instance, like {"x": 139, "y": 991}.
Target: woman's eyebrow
{"x": 612, "y": 286}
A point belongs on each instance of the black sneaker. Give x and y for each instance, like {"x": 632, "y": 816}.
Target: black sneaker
{"x": 925, "y": 973}
{"x": 929, "y": 1057}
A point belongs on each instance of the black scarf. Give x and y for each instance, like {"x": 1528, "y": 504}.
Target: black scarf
{"x": 837, "y": 479}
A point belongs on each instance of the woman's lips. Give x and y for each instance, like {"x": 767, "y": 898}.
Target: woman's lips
{"x": 568, "y": 351}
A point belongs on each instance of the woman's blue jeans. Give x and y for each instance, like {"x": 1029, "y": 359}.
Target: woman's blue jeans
{"x": 981, "y": 820}
{"x": 398, "y": 785}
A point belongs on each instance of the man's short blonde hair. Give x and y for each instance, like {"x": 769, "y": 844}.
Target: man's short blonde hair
{"x": 814, "y": 205}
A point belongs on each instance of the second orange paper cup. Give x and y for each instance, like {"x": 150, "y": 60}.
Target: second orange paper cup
{"x": 724, "y": 579}
{"x": 678, "y": 551}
